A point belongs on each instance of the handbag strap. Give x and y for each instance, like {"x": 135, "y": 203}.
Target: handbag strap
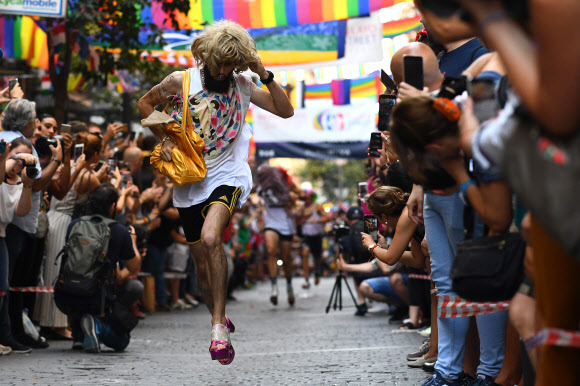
{"x": 185, "y": 113}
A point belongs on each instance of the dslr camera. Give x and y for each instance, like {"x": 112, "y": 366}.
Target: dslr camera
{"x": 43, "y": 143}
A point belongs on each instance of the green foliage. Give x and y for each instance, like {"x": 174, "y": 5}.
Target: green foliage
{"x": 325, "y": 174}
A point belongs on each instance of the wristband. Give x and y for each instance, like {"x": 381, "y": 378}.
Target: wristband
{"x": 146, "y": 220}
{"x": 371, "y": 250}
{"x": 371, "y": 246}
{"x": 57, "y": 161}
{"x": 463, "y": 187}
{"x": 269, "y": 79}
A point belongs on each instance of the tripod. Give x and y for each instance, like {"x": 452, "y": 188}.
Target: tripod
{"x": 336, "y": 293}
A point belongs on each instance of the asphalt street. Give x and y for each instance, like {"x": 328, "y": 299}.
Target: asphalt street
{"x": 275, "y": 345}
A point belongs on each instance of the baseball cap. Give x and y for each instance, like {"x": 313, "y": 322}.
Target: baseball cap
{"x": 354, "y": 212}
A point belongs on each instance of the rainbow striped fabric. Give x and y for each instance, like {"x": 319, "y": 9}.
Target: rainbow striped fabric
{"x": 397, "y": 27}
{"x": 369, "y": 86}
{"x": 266, "y": 13}
{"x": 22, "y": 38}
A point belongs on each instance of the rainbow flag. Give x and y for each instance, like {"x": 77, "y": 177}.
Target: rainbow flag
{"x": 366, "y": 87}
{"x": 290, "y": 45}
{"x": 340, "y": 91}
{"x": 398, "y": 27}
{"x": 22, "y": 38}
{"x": 265, "y": 13}
{"x": 317, "y": 91}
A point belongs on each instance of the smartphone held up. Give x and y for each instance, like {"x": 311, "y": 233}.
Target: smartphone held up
{"x": 371, "y": 227}
{"x": 376, "y": 143}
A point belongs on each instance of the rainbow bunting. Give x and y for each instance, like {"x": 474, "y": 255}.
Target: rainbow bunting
{"x": 317, "y": 91}
{"x": 22, "y": 38}
{"x": 398, "y": 27}
{"x": 340, "y": 91}
{"x": 366, "y": 87}
{"x": 265, "y": 13}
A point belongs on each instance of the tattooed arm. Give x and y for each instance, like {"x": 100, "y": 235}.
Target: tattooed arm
{"x": 160, "y": 94}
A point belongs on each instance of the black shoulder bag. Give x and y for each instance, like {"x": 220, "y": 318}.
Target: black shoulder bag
{"x": 487, "y": 269}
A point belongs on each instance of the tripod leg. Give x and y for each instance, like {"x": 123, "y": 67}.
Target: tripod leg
{"x": 340, "y": 294}
{"x": 331, "y": 296}
{"x": 338, "y": 287}
{"x": 351, "y": 294}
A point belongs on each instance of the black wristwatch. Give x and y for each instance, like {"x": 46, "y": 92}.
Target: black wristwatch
{"x": 269, "y": 79}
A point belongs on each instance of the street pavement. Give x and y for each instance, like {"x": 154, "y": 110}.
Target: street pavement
{"x": 275, "y": 345}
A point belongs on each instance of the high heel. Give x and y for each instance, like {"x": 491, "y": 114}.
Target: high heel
{"x": 220, "y": 336}
{"x": 230, "y": 325}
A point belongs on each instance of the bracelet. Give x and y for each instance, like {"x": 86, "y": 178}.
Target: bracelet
{"x": 492, "y": 17}
{"x": 269, "y": 79}
{"x": 27, "y": 187}
{"x": 371, "y": 246}
{"x": 165, "y": 139}
{"x": 146, "y": 220}
{"x": 57, "y": 161}
{"x": 463, "y": 187}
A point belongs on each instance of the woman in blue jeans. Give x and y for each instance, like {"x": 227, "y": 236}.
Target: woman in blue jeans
{"x": 423, "y": 129}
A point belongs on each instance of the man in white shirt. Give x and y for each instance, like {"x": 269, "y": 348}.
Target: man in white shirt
{"x": 221, "y": 52}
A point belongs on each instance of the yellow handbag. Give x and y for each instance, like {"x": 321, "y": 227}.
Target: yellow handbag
{"x": 187, "y": 165}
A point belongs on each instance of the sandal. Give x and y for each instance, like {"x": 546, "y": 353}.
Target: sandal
{"x": 409, "y": 326}
{"x": 220, "y": 336}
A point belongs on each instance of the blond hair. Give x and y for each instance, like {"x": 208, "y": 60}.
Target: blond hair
{"x": 224, "y": 42}
{"x": 387, "y": 200}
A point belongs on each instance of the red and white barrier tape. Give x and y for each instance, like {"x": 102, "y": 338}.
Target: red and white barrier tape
{"x": 30, "y": 289}
{"x": 449, "y": 306}
{"x": 417, "y": 276}
{"x": 554, "y": 337}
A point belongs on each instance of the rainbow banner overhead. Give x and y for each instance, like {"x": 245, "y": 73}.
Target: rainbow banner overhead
{"x": 398, "y": 27}
{"x": 317, "y": 91}
{"x": 265, "y": 13}
{"x": 22, "y": 38}
{"x": 290, "y": 45}
{"x": 367, "y": 87}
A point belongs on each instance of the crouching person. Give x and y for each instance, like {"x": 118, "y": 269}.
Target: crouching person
{"x": 93, "y": 287}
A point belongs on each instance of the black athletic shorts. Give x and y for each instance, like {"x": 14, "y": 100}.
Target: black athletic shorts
{"x": 280, "y": 235}
{"x": 194, "y": 216}
{"x": 314, "y": 243}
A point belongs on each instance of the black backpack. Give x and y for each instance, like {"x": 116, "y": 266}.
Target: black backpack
{"x": 85, "y": 269}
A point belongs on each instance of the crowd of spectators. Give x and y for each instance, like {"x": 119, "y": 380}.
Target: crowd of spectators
{"x": 452, "y": 167}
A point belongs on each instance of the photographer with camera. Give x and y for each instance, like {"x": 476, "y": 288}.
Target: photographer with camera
{"x": 15, "y": 199}
{"x": 98, "y": 308}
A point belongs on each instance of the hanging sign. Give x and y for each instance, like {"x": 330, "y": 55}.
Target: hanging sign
{"x": 44, "y": 8}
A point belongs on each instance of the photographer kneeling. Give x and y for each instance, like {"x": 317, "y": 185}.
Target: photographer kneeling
{"x": 388, "y": 204}
{"x": 86, "y": 289}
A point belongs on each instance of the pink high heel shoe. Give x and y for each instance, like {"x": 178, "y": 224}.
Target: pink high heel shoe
{"x": 220, "y": 336}
{"x": 230, "y": 325}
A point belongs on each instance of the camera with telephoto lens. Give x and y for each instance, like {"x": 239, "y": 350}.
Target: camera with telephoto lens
{"x": 31, "y": 170}
{"x": 43, "y": 144}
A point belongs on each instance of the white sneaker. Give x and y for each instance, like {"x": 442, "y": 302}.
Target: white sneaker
{"x": 5, "y": 350}
{"x": 274, "y": 295}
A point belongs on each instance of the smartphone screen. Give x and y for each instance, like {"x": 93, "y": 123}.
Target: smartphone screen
{"x": 112, "y": 164}
{"x": 485, "y": 105}
{"x": 388, "y": 82}
{"x": 371, "y": 227}
{"x": 79, "y": 150}
{"x": 386, "y": 104}
{"x": 11, "y": 84}
{"x": 2, "y": 147}
{"x": 125, "y": 177}
{"x": 362, "y": 190}
{"x": 376, "y": 143}
{"x": 132, "y": 135}
{"x": 414, "y": 71}
{"x": 99, "y": 166}
{"x": 65, "y": 128}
